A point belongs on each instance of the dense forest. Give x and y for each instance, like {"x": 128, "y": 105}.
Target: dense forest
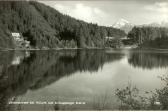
{"x": 44, "y": 26}
{"x": 149, "y": 37}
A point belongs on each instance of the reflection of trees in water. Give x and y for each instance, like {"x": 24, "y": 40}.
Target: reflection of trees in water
{"x": 131, "y": 98}
{"x": 42, "y": 68}
{"x": 6, "y": 58}
{"x": 148, "y": 60}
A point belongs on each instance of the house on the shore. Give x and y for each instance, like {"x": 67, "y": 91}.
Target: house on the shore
{"x": 19, "y": 41}
{"x": 16, "y": 36}
{"x": 110, "y": 38}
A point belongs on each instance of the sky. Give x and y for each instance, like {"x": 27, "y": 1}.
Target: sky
{"x": 108, "y": 12}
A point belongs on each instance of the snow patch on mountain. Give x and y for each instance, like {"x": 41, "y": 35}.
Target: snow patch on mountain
{"x": 120, "y": 23}
{"x": 123, "y": 25}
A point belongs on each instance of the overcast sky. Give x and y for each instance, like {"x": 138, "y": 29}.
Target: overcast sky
{"x": 108, "y": 12}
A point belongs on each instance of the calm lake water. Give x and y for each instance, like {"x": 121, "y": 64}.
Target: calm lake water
{"x": 86, "y": 79}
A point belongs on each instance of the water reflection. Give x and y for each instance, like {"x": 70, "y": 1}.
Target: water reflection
{"x": 19, "y": 57}
{"x": 148, "y": 60}
{"x": 42, "y": 68}
{"x": 23, "y": 71}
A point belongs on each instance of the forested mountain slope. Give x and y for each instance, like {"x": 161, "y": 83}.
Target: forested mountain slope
{"x": 149, "y": 37}
{"x": 44, "y": 26}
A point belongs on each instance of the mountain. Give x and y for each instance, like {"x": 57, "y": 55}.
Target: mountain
{"x": 123, "y": 25}
{"x": 45, "y": 27}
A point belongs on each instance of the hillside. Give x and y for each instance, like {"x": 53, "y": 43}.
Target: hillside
{"x": 44, "y": 26}
{"x": 149, "y": 37}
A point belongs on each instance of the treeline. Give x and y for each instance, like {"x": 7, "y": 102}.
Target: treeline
{"x": 154, "y": 37}
{"x": 44, "y": 26}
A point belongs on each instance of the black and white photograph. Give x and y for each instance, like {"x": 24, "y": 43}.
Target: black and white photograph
{"x": 83, "y": 55}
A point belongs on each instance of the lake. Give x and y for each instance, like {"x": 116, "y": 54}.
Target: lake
{"x": 83, "y": 80}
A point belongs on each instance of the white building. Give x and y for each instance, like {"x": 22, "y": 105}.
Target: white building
{"x": 17, "y": 36}
{"x": 20, "y": 41}
{"x": 14, "y": 34}
{"x": 110, "y": 38}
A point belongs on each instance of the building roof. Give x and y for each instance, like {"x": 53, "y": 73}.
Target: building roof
{"x": 16, "y": 34}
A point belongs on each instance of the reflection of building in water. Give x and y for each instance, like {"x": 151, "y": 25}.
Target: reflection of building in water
{"x": 27, "y": 54}
{"x": 16, "y": 61}
{"x": 19, "y": 56}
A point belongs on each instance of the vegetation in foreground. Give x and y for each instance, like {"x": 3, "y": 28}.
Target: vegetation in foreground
{"x": 131, "y": 98}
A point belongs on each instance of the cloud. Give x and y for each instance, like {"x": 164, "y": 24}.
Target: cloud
{"x": 83, "y": 12}
{"x": 159, "y": 7}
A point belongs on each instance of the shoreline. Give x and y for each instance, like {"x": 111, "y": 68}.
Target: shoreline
{"x": 33, "y": 49}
